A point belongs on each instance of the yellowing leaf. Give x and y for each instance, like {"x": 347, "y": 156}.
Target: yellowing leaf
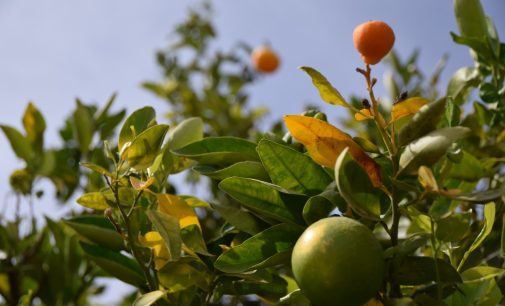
{"x": 176, "y": 207}
{"x": 363, "y": 114}
{"x": 327, "y": 92}
{"x": 154, "y": 241}
{"x": 427, "y": 179}
{"x": 324, "y": 142}
{"x": 140, "y": 185}
{"x": 407, "y": 107}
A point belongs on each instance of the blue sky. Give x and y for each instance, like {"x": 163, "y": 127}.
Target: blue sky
{"x": 53, "y": 51}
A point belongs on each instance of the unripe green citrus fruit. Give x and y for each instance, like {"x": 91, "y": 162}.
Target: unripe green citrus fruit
{"x": 338, "y": 261}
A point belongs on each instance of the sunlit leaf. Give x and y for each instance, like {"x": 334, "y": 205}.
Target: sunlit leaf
{"x": 324, "y": 142}
{"x": 93, "y": 200}
{"x": 149, "y": 298}
{"x": 489, "y": 216}
{"x": 328, "y": 93}
{"x": 146, "y": 146}
{"x": 156, "y": 243}
{"x": 183, "y": 274}
{"x": 97, "y": 168}
{"x": 176, "y": 207}
{"x": 34, "y": 125}
{"x": 186, "y": 132}
{"x": 268, "y": 248}
{"x": 407, "y": 107}
{"x": 137, "y": 122}
{"x": 428, "y": 149}
{"x": 363, "y": 114}
{"x": 481, "y": 273}
{"x": 427, "y": 179}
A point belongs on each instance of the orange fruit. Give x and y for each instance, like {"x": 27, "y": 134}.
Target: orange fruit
{"x": 373, "y": 40}
{"x": 338, "y": 261}
{"x": 265, "y": 59}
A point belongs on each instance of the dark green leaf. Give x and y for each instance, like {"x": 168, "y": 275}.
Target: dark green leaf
{"x": 480, "y": 197}
{"x": 355, "y": 187}
{"x": 192, "y": 237}
{"x": 249, "y": 169}
{"x": 239, "y": 218}
{"x": 268, "y": 248}
{"x": 468, "y": 169}
{"x": 266, "y": 199}
{"x": 117, "y": 265}
{"x": 488, "y": 93}
{"x": 414, "y": 271}
{"x": 98, "y": 230}
{"x": 291, "y": 169}
{"x": 221, "y": 151}
{"x": 321, "y": 205}
{"x": 453, "y": 228}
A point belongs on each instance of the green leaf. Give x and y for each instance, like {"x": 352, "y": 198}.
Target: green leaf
{"x": 460, "y": 83}
{"x": 470, "y": 18}
{"x": 138, "y": 121}
{"x": 93, "y": 200}
{"x": 480, "y": 197}
{"x": 102, "y": 115}
{"x": 34, "y": 125}
{"x": 250, "y": 169}
{"x": 239, "y": 218}
{"x": 295, "y": 298}
{"x": 291, "y": 169}
{"x": 327, "y": 92}
{"x": 149, "y": 298}
{"x": 169, "y": 230}
{"x": 453, "y": 228}
{"x": 422, "y": 122}
{"x": 428, "y": 149}
{"x": 414, "y": 271}
{"x": 268, "y": 248}
{"x": 146, "y": 146}
{"x": 489, "y": 215}
{"x": 481, "y": 273}
{"x": 98, "y": 169}
{"x": 220, "y": 151}
{"x": 355, "y": 187}
{"x": 468, "y": 169}
{"x": 266, "y": 199}
{"x": 117, "y": 265}
{"x": 185, "y": 273}
{"x": 186, "y": 132}
{"x": 83, "y": 126}
{"x": 192, "y": 237}
{"x": 19, "y": 143}
{"x": 98, "y": 230}
{"x": 321, "y": 205}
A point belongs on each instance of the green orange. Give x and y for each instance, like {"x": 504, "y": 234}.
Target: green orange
{"x": 338, "y": 261}
{"x": 373, "y": 40}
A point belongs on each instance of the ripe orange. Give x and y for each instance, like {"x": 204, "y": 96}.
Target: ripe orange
{"x": 338, "y": 261}
{"x": 373, "y": 40}
{"x": 265, "y": 59}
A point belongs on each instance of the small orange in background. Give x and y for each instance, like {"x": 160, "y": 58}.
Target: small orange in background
{"x": 373, "y": 40}
{"x": 265, "y": 59}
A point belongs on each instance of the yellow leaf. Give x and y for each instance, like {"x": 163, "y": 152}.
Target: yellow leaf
{"x": 427, "y": 179}
{"x": 140, "y": 185}
{"x": 154, "y": 241}
{"x": 324, "y": 142}
{"x": 327, "y": 92}
{"x": 407, "y": 107}
{"x": 363, "y": 114}
{"x": 175, "y": 206}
